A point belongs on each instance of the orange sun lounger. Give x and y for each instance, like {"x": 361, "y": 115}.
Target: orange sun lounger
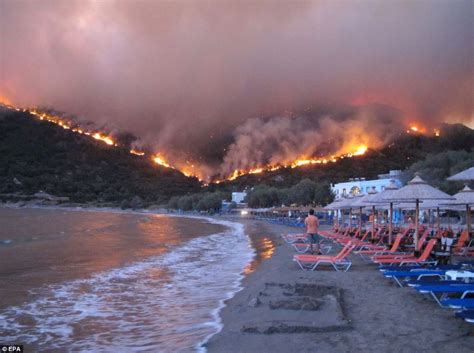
{"x": 410, "y": 259}
{"x": 339, "y": 262}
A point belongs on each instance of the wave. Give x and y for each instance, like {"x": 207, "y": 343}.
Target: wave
{"x": 167, "y": 303}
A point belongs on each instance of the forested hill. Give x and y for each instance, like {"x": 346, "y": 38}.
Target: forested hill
{"x": 403, "y": 152}
{"x": 36, "y": 155}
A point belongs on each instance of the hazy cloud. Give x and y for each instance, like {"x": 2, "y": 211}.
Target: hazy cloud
{"x": 182, "y": 75}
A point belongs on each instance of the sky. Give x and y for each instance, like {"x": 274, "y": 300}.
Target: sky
{"x": 234, "y": 84}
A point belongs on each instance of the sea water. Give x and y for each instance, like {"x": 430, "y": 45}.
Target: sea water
{"x": 164, "y": 303}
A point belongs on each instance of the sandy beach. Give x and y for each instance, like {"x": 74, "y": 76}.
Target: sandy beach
{"x": 279, "y": 309}
{"x": 285, "y": 309}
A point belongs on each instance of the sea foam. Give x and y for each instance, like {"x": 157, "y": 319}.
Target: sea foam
{"x": 167, "y": 303}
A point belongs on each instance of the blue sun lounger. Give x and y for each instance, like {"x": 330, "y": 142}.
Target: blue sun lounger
{"x": 420, "y": 268}
{"x": 398, "y": 276}
{"x": 445, "y": 290}
{"x": 467, "y": 315}
{"x": 465, "y": 303}
{"x": 420, "y": 282}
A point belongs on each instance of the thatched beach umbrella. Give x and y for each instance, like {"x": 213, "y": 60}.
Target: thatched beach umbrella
{"x": 430, "y": 205}
{"x": 381, "y": 198}
{"x": 333, "y": 206}
{"x": 346, "y": 204}
{"x": 358, "y": 204}
{"x": 467, "y": 174}
{"x": 465, "y": 198}
{"x": 417, "y": 190}
{"x": 364, "y": 202}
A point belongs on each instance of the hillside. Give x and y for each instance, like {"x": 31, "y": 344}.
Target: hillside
{"x": 36, "y": 155}
{"x": 405, "y": 150}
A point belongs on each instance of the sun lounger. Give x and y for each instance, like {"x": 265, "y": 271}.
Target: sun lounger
{"x": 399, "y": 276}
{"x": 459, "y": 266}
{"x": 296, "y": 237}
{"x": 339, "y": 262}
{"x": 467, "y": 315}
{"x": 424, "y": 282}
{"x": 374, "y": 251}
{"x": 465, "y": 303}
{"x": 404, "y": 260}
{"x": 305, "y": 247}
{"x": 461, "y": 242}
{"x": 445, "y": 290}
{"x": 355, "y": 240}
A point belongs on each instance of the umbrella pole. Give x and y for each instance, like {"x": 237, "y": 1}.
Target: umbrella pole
{"x": 417, "y": 211}
{"x": 390, "y": 224}
{"x": 438, "y": 219}
{"x": 360, "y": 220}
{"x": 468, "y": 221}
{"x": 373, "y": 223}
{"x": 350, "y": 218}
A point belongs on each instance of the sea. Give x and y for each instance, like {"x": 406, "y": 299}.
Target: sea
{"x": 75, "y": 281}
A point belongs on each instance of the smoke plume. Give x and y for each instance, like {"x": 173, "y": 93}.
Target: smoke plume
{"x": 192, "y": 78}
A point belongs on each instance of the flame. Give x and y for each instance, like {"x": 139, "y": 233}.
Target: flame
{"x": 300, "y": 162}
{"x": 137, "y": 152}
{"x": 361, "y": 150}
{"x": 158, "y": 159}
{"x": 188, "y": 168}
{"x": 104, "y": 138}
{"x": 416, "y": 128}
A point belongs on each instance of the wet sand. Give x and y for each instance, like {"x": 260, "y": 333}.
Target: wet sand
{"x": 284, "y": 309}
{"x": 39, "y": 247}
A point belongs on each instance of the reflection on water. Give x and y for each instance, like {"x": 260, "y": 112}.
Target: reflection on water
{"x": 166, "y": 301}
{"x": 51, "y": 246}
{"x": 265, "y": 247}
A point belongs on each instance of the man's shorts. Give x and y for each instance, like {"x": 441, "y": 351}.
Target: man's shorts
{"x": 313, "y": 238}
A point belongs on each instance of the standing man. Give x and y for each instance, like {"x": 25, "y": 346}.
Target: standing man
{"x": 312, "y": 224}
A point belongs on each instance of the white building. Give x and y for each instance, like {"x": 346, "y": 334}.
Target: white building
{"x": 238, "y": 197}
{"x": 360, "y": 185}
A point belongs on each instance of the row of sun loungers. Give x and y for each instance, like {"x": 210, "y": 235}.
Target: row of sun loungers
{"x": 451, "y": 286}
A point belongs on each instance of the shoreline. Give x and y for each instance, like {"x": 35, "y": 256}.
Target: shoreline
{"x": 41, "y": 283}
{"x": 69, "y": 247}
{"x": 360, "y": 311}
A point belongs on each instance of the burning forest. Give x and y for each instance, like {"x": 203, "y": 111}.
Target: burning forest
{"x": 294, "y": 142}
{"x": 267, "y": 86}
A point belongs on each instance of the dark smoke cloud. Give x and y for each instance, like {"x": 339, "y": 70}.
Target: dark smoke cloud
{"x": 281, "y": 140}
{"x": 183, "y": 75}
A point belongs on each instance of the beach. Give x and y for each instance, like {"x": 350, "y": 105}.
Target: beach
{"x": 109, "y": 280}
{"x": 284, "y": 309}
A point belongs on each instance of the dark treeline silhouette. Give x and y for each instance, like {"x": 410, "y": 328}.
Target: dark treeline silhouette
{"x": 40, "y": 156}
{"x": 37, "y": 155}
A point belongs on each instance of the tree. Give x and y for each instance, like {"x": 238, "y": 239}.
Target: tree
{"x": 435, "y": 168}
{"x": 323, "y": 194}
{"x": 210, "y": 202}
{"x": 136, "y": 202}
{"x": 303, "y": 192}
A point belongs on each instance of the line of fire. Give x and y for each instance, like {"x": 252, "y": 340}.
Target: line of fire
{"x": 160, "y": 159}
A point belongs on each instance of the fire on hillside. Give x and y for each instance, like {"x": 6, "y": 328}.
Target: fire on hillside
{"x": 353, "y": 150}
